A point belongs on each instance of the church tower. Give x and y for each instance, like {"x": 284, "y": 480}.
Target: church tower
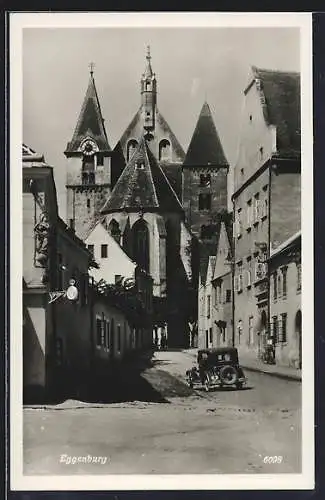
{"x": 89, "y": 164}
{"x": 148, "y": 95}
{"x": 204, "y": 178}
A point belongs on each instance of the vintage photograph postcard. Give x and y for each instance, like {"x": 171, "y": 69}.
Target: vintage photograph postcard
{"x": 161, "y": 187}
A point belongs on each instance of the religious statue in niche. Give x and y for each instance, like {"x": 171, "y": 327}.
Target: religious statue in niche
{"x": 41, "y": 231}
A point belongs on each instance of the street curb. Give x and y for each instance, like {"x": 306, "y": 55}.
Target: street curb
{"x": 283, "y": 376}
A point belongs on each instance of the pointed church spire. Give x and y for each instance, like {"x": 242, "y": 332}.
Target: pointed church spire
{"x": 205, "y": 147}
{"x": 148, "y": 71}
{"x": 148, "y": 95}
{"x": 90, "y": 123}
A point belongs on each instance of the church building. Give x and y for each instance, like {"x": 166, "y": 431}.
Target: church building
{"x": 155, "y": 200}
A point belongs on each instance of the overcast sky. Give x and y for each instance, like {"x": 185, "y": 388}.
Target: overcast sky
{"x": 191, "y": 65}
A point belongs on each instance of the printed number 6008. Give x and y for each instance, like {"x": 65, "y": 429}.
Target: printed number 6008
{"x": 273, "y": 460}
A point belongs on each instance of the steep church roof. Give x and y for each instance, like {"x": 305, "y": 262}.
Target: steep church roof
{"x": 90, "y": 122}
{"x": 282, "y": 106}
{"x": 205, "y": 147}
{"x": 142, "y": 185}
{"x": 137, "y": 124}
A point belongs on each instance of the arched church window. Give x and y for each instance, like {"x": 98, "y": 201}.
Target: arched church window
{"x": 114, "y": 230}
{"x": 141, "y": 244}
{"x": 131, "y": 147}
{"x": 164, "y": 150}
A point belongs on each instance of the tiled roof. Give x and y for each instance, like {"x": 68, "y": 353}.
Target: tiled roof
{"x": 142, "y": 185}
{"x": 294, "y": 239}
{"x": 281, "y": 91}
{"x": 90, "y": 122}
{"x": 173, "y": 172}
{"x": 31, "y": 158}
{"x": 205, "y": 147}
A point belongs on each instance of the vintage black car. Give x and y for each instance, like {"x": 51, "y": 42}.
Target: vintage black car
{"x": 216, "y": 367}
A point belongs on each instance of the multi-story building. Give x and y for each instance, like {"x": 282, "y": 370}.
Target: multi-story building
{"x": 56, "y": 335}
{"x": 266, "y": 198}
{"x": 222, "y": 310}
{"x": 285, "y": 301}
{"x": 215, "y": 294}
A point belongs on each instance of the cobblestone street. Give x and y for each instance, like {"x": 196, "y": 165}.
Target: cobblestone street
{"x": 158, "y": 425}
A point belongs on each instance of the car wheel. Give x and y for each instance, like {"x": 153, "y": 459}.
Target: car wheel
{"x": 228, "y": 375}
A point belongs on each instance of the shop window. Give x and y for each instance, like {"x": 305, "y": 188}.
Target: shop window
{"x": 283, "y": 329}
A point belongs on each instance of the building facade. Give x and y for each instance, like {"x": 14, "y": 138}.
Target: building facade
{"x": 215, "y": 295}
{"x": 266, "y": 199}
{"x": 285, "y": 302}
{"x": 56, "y": 335}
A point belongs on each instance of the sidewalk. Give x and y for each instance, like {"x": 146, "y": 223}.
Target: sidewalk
{"x": 255, "y": 365}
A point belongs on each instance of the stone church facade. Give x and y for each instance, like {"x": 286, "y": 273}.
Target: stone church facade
{"x": 161, "y": 205}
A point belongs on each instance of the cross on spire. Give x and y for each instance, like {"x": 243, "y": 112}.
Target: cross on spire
{"x": 91, "y": 67}
{"x": 148, "y": 53}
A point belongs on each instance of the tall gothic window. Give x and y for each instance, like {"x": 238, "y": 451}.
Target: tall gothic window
{"x": 115, "y": 231}
{"x": 141, "y": 244}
